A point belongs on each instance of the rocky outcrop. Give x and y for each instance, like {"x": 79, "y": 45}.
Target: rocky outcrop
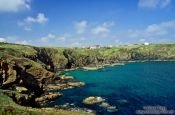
{"x": 22, "y": 90}
{"x": 66, "y": 77}
{"x": 47, "y": 97}
{"x": 22, "y": 99}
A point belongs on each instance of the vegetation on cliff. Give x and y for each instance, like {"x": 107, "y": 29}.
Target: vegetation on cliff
{"x": 36, "y": 66}
{"x": 8, "y": 107}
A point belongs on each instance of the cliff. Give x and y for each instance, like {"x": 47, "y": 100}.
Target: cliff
{"x": 36, "y": 66}
{"x": 39, "y": 64}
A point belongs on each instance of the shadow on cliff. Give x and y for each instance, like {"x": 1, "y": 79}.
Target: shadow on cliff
{"x": 23, "y": 78}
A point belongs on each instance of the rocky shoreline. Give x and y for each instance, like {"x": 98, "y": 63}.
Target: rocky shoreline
{"x": 22, "y": 95}
{"x": 29, "y": 74}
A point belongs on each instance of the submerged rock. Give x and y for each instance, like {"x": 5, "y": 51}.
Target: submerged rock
{"x": 112, "y": 109}
{"x": 123, "y": 101}
{"x": 76, "y": 84}
{"x": 105, "y": 105}
{"x": 93, "y": 100}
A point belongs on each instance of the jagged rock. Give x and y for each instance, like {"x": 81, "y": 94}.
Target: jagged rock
{"x": 21, "y": 89}
{"x": 93, "y": 100}
{"x": 54, "y": 87}
{"x": 48, "y": 97}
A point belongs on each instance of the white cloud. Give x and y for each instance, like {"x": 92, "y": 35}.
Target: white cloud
{"x": 154, "y": 30}
{"x": 142, "y": 40}
{"x": 102, "y": 29}
{"x": 14, "y": 5}
{"x": 75, "y": 44}
{"x": 64, "y": 37}
{"x": 27, "y": 28}
{"x": 153, "y": 3}
{"x": 48, "y": 37}
{"x": 81, "y": 26}
{"x": 17, "y": 40}
{"x": 24, "y": 42}
{"x": 29, "y": 21}
{"x": 2, "y": 40}
{"x": 40, "y": 19}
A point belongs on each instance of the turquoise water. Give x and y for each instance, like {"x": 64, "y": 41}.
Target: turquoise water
{"x": 140, "y": 84}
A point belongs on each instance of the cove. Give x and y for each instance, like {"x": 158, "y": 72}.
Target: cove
{"x": 129, "y": 87}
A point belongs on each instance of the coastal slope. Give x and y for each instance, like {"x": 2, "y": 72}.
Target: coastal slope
{"x": 37, "y": 66}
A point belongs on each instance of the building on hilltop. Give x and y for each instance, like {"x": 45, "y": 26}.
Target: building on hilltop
{"x": 146, "y": 43}
{"x": 95, "y": 47}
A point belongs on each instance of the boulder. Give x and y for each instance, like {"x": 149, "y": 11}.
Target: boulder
{"x": 21, "y": 89}
{"x": 93, "y": 100}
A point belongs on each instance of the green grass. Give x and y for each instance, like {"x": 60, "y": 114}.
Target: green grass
{"x": 8, "y": 107}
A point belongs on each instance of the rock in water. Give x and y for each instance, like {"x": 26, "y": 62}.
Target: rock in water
{"x": 105, "y": 105}
{"x": 93, "y": 100}
{"x": 123, "y": 101}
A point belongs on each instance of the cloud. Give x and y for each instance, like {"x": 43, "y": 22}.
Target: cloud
{"x": 64, "y": 37}
{"x": 27, "y": 28}
{"x": 14, "y": 5}
{"x": 75, "y": 44}
{"x": 160, "y": 30}
{"x": 40, "y": 19}
{"x": 2, "y": 40}
{"x": 29, "y": 21}
{"x": 24, "y": 42}
{"x": 102, "y": 29}
{"x": 142, "y": 40}
{"x": 153, "y": 3}
{"x": 81, "y": 26}
{"x": 16, "y": 40}
{"x": 47, "y": 38}
{"x": 117, "y": 41}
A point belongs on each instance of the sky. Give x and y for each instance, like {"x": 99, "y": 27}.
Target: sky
{"x": 79, "y": 23}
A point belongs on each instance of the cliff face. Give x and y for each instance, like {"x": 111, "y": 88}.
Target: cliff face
{"x": 38, "y": 65}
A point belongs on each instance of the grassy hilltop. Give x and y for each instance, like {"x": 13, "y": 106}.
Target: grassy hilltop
{"x": 44, "y": 62}
{"x": 77, "y": 57}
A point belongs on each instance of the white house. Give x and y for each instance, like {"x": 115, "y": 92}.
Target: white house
{"x": 146, "y": 43}
{"x": 95, "y": 47}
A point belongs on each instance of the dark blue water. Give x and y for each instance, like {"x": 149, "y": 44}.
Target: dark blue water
{"x": 141, "y": 84}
